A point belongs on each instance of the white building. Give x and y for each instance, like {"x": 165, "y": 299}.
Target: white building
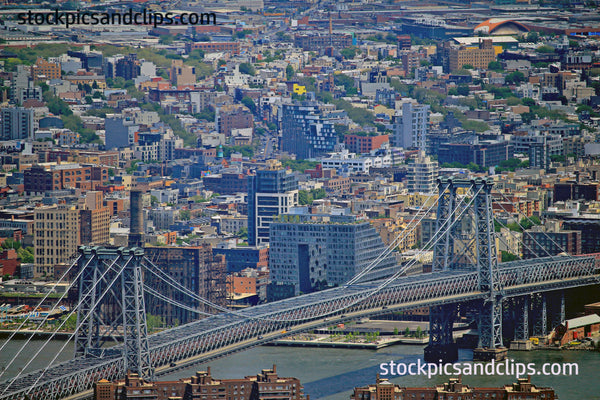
{"x": 410, "y": 128}
{"x": 345, "y": 162}
{"x": 422, "y": 174}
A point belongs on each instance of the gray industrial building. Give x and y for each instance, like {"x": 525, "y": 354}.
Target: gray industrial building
{"x": 315, "y": 251}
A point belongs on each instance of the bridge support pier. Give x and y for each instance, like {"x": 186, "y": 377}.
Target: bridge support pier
{"x": 558, "y": 308}
{"x": 521, "y": 315}
{"x": 441, "y": 341}
{"x": 111, "y": 298}
{"x": 540, "y": 327}
{"x": 490, "y": 332}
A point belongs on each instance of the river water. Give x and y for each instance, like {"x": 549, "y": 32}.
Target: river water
{"x": 331, "y": 374}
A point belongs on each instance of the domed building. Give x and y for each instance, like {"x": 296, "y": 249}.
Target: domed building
{"x": 497, "y": 26}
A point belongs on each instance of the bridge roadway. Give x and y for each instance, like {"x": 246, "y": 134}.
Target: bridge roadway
{"x": 226, "y": 333}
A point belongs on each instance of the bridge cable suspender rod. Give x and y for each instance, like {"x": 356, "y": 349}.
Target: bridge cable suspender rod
{"x": 399, "y": 239}
{"x": 370, "y": 292}
{"x": 530, "y": 249}
{"x": 88, "y": 315}
{"x": 61, "y": 325}
{"x": 160, "y": 296}
{"x": 530, "y": 220}
{"x": 41, "y": 322}
{"x": 38, "y": 306}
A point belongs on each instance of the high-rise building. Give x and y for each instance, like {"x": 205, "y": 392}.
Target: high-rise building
{"x": 94, "y": 220}
{"x": 44, "y": 70}
{"x": 543, "y": 148}
{"x": 182, "y": 74}
{"x": 478, "y": 57}
{"x": 410, "y": 128}
{"x": 128, "y": 67}
{"x": 233, "y": 116}
{"x": 56, "y": 235}
{"x": 136, "y": 219}
{"x": 17, "y": 123}
{"x": 194, "y": 268}
{"x": 271, "y": 192}
{"x": 314, "y": 251}
{"x": 305, "y": 131}
{"x": 485, "y": 153}
{"x": 550, "y": 240}
{"x": 120, "y": 131}
{"x": 422, "y": 174}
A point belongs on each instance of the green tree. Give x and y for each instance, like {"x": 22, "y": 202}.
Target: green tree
{"x": 348, "y": 53}
{"x": 243, "y": 233}
{"x": 527, "y": 223}
{"x": 184, "y": 215}
{"x": 515, "y": 77}
{"x": 304, "y": 197}
{"x": 545, "y": 49}
{"x": 495, "y": 66}
{"x": 462, "y": 90}
{"x": 289, "y": 72}
{"x": 196, "y": 54}
{"x": 506, "y": 256}
{"x": 248, "y": 102}
{"x": 247, "y": 68}
{"x": 532, "y": 37}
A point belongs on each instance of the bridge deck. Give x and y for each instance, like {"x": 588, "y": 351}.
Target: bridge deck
{"x": 230, "y": 331}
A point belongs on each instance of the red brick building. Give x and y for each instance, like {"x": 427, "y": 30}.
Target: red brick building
{"x": 454, "y": 388}
{"x": 214, "y": 47}
{"x": 202, "y": 386}
{"x": 9, "y": 262}
{"x": 364, "y": 144}
{"x": 232, "y": 116}
{"x": 42, "y": 178}
{"x": 576, "y": 329}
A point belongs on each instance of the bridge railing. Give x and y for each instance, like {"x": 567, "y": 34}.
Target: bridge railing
{"x": 545, "y": 270}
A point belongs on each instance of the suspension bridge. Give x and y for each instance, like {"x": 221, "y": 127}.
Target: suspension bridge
{"x": 466, "y": 273}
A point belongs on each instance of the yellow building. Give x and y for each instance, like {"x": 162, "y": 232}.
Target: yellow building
{"x": 56, "y": 236}
{"x": 299, "y": 89}
{"x": 478, "y": 57}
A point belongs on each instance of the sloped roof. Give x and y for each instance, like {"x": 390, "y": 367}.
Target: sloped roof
{"x": 582, "y": 321}
{"x": 494, "y": 24}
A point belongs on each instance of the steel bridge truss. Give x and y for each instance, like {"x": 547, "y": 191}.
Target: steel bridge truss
{"x": 485, "y": 260}
{"x": 228, "y": 332}
{"x": 111, "y": 289}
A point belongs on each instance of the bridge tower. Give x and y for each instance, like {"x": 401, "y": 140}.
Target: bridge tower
{"x": 476, "y": 237}
{"x": 111, "y": 298}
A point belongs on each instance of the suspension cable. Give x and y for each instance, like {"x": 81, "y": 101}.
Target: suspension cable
{"x": 62, "y": 324}
{"x": 396, "y": 242}
{"x": 173, "y": 302}
{"x": 522, "y": 241}
{"x": 530, "y": 220}
{"x": 40, "y": 304}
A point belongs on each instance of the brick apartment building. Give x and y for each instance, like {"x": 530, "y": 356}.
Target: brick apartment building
{"x": 202, "y": 386}
{"x": 454, "y": 388}
{"x": 230, "y": 117}
{"x": 193, "y": 267}
{"x": 49, "y": 176}
{"x": 364, "y": 144}
{"x": 214, "y": 47}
